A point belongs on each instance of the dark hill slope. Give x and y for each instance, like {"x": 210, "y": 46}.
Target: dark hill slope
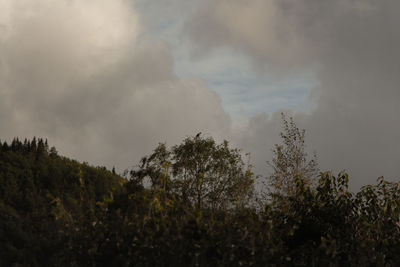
{"x": 58, "y": 212}
{"x": 45, "y": 200}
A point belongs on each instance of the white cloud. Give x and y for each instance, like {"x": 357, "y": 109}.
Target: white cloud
{"x": 78, "y": 73}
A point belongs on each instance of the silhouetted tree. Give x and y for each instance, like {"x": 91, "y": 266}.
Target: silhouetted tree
{"x": 201, "y": 172}
{"x": 290, "y": 162}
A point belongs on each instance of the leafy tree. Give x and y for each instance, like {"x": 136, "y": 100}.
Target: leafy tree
{"x": 290, "y": 162}
{"x": 199, "y": 171}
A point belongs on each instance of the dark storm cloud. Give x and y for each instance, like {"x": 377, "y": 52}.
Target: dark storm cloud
{"x": 353, "y": 48}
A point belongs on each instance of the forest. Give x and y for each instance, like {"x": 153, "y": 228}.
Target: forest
{"x": 197, "y": 203}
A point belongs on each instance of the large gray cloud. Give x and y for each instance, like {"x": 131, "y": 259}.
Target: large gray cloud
{"x": 353, "y": 48}
{"x": 79, "y": 73}
{"x": 82, "y": 74}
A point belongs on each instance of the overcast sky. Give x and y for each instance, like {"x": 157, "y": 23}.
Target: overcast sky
{"x": 106, "y": 80}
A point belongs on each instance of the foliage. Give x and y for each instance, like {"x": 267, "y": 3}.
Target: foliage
{"x": 200, "y": 172}
{"x": 290, "y": 161}
{"x": 58, "y": 212}
{"x": 44, "y": 199}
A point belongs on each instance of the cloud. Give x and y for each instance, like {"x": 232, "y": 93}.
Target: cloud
{"x": 353, "y": 48}
{"x": 257, "y": 26}
{"x": 79, "y": 73}
{"x": 88, "y": 76}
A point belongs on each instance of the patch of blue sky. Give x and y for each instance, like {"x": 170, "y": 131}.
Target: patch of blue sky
{"x": 243, "y": 91}
{"x": 245, "y": 99}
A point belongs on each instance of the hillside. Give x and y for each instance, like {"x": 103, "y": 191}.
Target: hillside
{"x": 46, "y": 200}
{"x": 193, "y": 204}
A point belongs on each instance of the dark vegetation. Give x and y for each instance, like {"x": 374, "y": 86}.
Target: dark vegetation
{"x": 193, "y": 204}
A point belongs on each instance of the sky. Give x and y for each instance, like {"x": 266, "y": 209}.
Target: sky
{"x": 106, "y": 80}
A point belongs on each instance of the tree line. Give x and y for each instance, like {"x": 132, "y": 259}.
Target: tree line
{"x": 192, "y": 204}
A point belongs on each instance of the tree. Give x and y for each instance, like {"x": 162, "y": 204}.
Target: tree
{"x": 290, "y": 164}
{"x": 154, "y": 167}
{"x": 200, "y": 172}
